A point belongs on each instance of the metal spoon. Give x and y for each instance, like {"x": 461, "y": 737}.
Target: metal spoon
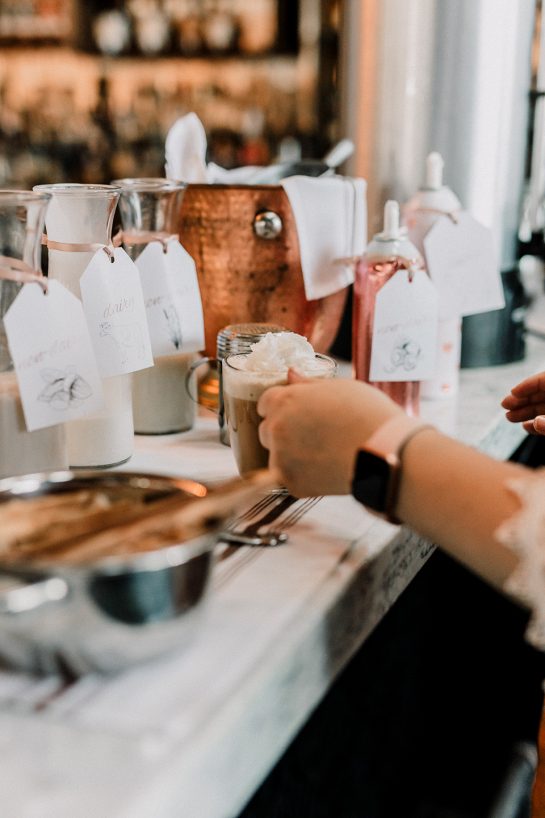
{"x": 270, "y": 538}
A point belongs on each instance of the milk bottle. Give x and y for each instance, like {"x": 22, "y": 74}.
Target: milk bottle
{"x": 149, "y": 211}
{"x": 79, "y": 221}
{"x": 21, "y": 452}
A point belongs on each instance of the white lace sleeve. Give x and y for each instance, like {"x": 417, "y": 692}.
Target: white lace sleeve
{"x": 524, "y": 532}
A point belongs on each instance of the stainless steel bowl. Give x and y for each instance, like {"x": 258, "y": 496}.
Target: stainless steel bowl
{"x": 111, "y": 613}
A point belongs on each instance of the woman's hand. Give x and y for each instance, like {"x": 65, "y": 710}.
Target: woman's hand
{"x": 526, "y": 403}
{"x": 313, "y": 429}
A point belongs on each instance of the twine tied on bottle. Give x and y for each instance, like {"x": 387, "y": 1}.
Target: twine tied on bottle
{"x": 411, "y": 265}
{"x": 13, "y": 269}
{"x": 451, "y": 214}
{"x": 136, "y": 237}
{"x": 71, "y": 247}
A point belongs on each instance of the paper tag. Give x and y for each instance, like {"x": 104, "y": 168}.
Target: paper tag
{"x": 114, "y": 308}
{"x": 404, "y": 345}
{"x": 172, "y": 298}
{"x": 53, "y": 356}
{"x": 462, "y": 264}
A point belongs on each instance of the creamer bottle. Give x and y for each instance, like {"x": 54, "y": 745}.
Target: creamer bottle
{"x": 432, "y": 202}
{"x": 22, "y": 216}
{"x": 150, "y": 211}
{"x": 388, "y": 252}
{"x": 79, "y": 222}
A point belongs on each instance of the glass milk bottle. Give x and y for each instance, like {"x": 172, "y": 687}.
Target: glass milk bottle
{"x": 22, "y": 216}
{"x": 387, "y": 253}
{"x": 78, "y": 221}
{"x": 432, "y": 202}
{"x": 149, "y": 210}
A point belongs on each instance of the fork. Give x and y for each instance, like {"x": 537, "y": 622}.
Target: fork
{"x": 249, "y": 535}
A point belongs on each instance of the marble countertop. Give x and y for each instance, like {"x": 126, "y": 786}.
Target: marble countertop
{"x": 195, "y": 733}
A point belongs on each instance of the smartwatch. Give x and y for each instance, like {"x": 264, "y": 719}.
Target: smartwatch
{"x": 377, "y": 469}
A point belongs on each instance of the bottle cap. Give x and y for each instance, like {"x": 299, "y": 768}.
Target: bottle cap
{"x": 433, "y": 195}
{"x": 237, "y": 338}
{"x": 393, "y": 240}
{"x": 434, "y": 171}
{"x": 391, "y": 229}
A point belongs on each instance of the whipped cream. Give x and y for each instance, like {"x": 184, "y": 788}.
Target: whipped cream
{"x": 246, "y": 376}
{"x": 278, "y": 351}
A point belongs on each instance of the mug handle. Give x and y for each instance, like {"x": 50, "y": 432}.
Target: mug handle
{"x": 195, "y": 398}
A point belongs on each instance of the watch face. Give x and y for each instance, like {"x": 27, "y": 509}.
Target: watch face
{"x": 371, "y": 480}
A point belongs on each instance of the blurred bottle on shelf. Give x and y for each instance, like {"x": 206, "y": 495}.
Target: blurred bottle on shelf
{"x": 220, "y": 28}
{"x": 152, "y": 27}
{"x": 92, "y": 118}
{"x": 187, "y": 25}
{"x": 112, "y": 32}
{"x": 258, "y": 21}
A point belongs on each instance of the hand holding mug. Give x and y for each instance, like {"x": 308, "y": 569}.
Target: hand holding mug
{"x": 314, "y": 428}
{"x": 243, "y": 388}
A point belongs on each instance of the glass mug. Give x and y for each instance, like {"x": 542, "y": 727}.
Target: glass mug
{"x": 232, "y": 339}
{"x": 242, "y": 389}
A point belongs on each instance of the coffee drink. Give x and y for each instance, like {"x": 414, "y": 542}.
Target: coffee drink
{"x": 243, "y": 422}
{"x": 247, "y": 376}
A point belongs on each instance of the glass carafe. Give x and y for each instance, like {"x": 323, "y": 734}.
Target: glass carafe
{"x": 79, "y": 218}
{"x": 150, "y": 208}
{"x": 22, "y": 216}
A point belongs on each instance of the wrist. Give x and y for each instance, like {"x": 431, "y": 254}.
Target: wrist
{"x": 378, "y": 464}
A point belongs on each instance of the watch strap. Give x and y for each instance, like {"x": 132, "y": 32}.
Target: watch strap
{"x": 393, "y": 434}
{"x": 388, "y": 443}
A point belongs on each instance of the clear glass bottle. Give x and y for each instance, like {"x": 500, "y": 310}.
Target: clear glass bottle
{"x": 22, "y": 216}
{"x": 387, "y": 253}
{"x": 80, "y": 216}
{"x": 161, "y": 404}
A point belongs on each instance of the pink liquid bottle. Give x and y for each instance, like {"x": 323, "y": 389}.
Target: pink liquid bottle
{"x": 387, "y": 253}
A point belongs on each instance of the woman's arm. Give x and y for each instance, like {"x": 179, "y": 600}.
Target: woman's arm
{"x": 449, "y": 492}
{"x": 458, "y": 497}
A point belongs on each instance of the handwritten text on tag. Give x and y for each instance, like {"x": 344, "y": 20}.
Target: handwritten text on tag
{"x": 172, "y": 298}
{"x": 53, "y": 356}
{"x": 405, "y": 329}
{"x": 114, "y": 307}
{"x": 462, "y": 264}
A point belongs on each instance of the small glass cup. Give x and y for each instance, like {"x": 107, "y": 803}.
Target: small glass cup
{"x": 242, "y": 389}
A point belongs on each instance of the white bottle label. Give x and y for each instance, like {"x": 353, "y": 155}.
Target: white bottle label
{"x": 116, "y": 316}
{"x": 462, "y": 264}
{"x": 53, "y": 356}
{"x": 404, "y": 342}
{"x": 445, "y": 382}
{"x": 172, "y": 298}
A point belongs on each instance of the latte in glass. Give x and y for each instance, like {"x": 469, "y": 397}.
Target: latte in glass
{"x": 247, "y": 376}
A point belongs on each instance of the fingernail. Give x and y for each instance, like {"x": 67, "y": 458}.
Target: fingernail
{"x": 539, "y": 423}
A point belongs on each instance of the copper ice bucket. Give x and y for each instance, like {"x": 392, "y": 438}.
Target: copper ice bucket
{"x": 244, "y": 242}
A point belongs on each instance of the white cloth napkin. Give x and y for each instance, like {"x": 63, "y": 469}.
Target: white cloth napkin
{"x": 185, "y": 150}
{"x": 185, "y": 155}
{"x": 331, "y": 218}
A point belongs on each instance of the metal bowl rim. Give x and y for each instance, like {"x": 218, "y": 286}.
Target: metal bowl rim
{"x": 167, "y": 557}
